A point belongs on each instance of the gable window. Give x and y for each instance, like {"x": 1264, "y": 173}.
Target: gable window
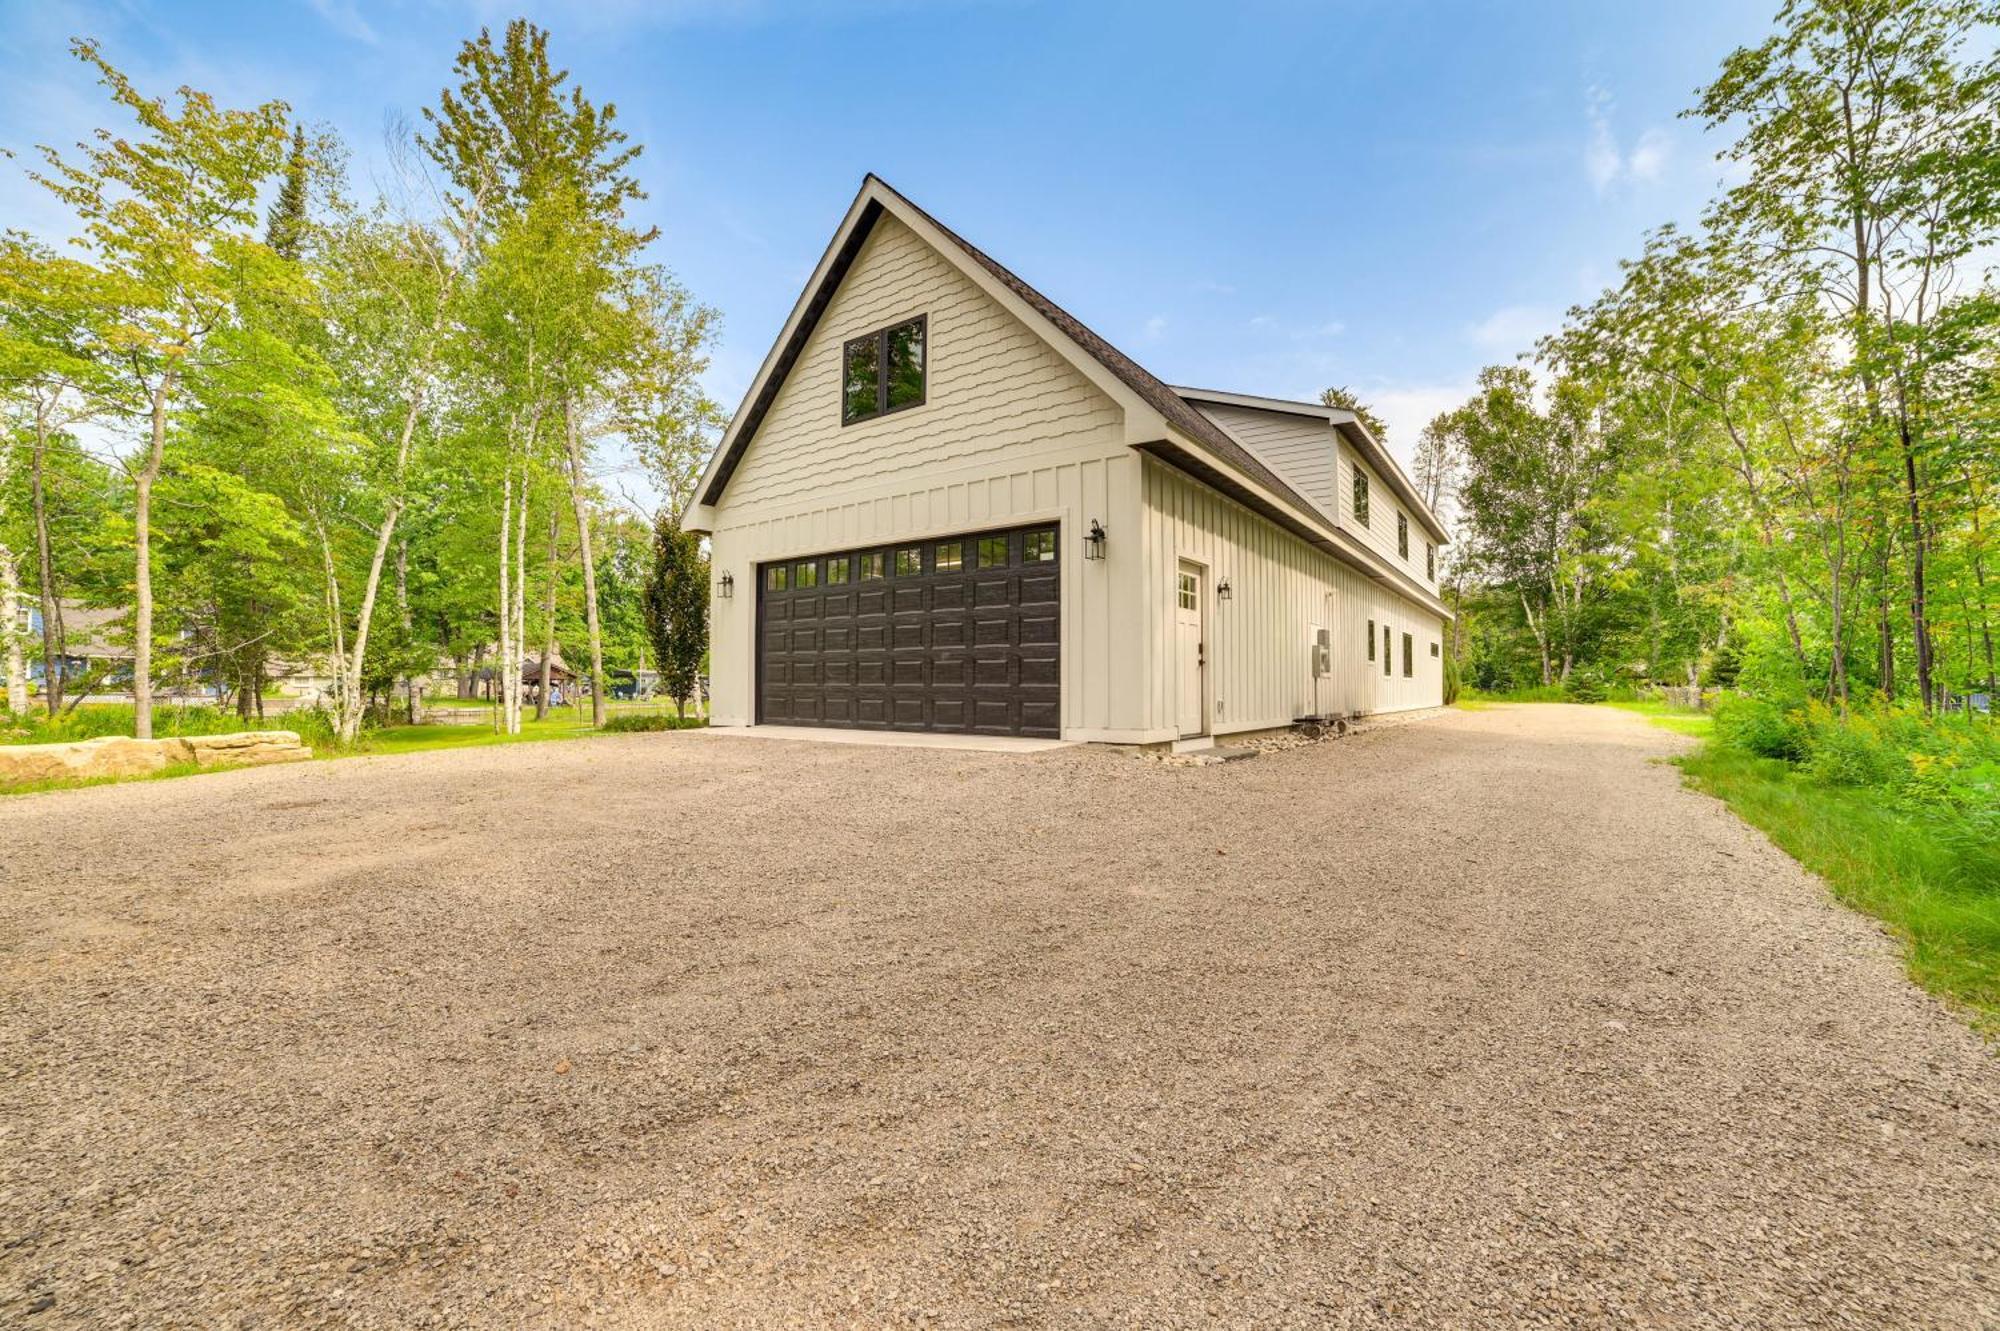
{"x": 1361, "y": 496}
{"x": 1371, "y": 640}
{"x": 1409, "y": 656}
{"x": 1402, "y": 535}
{"x": 1430, "y": 561}
{"x": 1385, "y": 649}
{"x": 883, "y": 371}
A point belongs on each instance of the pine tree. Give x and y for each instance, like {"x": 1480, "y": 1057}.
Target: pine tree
{"x": 285, "y": 223}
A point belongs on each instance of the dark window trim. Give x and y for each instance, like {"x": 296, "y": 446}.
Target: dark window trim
{"x": 880, "y": 337}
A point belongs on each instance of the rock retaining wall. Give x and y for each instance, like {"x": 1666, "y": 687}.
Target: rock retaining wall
{"x": 119, "y": 755}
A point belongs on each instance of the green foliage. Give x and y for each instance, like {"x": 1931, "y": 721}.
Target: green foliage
{"x": 1451, "y": 679}
{"x": 1347, "y": 400}
{"x": 676, "y": 603}
{"x": 1583, "y": 686}
{"x": 649, "y": 721}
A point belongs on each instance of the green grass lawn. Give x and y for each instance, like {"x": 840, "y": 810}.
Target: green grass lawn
{"x": 1677, "y": 719}
{"x": 1904, "y": 870}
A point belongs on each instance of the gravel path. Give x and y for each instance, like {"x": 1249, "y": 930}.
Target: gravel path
{"x": 1475, "y": 1022}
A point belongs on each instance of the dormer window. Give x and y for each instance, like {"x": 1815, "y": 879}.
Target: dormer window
{"x": 1361, "y": 496}
{"x": 883, "y": 371}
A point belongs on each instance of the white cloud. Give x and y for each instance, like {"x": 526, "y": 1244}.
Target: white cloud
{"x": 1407, "y": 408}
{"x": 1606, "y": 163}
{"x": 1512, "y": 329}
{"x": 345, "y": 19}
{"x": 1155, "y": 327}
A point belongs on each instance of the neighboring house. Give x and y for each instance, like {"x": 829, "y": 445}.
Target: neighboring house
{"x": 905, "y": 518}
{"x": 95, "y": 646}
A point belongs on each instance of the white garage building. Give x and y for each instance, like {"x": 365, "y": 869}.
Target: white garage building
{"x": 947, "y": 505}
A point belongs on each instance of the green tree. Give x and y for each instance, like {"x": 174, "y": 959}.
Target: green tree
{"x": 1347, "y": 400}
{"x": 166, "y": 214}
{"x": 676, "y": 607}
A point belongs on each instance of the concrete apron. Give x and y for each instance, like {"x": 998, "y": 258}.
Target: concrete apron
{"x": 898, "y": 739}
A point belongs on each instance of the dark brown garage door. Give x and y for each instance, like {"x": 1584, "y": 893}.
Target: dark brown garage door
{"x": 958, "y": 634}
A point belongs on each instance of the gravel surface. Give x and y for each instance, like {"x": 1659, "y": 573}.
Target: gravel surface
{"x": 1480, "y": 1021}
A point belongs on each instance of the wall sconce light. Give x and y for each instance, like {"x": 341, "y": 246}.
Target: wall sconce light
{"x": 726, "y": 588}
{"x": 1093, "y": 541}
{"x": 1223, "y": 591}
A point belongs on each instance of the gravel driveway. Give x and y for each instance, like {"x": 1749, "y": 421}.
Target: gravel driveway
{"x": 1477, "y": 1021}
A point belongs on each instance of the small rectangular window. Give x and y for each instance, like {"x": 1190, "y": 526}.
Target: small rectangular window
{"x": 1386, "y": 657}
{"x": 871, "y": 566}
{"x": 1360, "y": 496}
{"x": 806, "y": 574}
{"x": 1430, "y": 561}
{"x": 775, "y": 577}
{"x": 1402, "y": 535}
{"x": 950, "y": 557}
{"x": 1434, "y": 649}
{"x": 905, "y": 380}
{"x": 836, "y": 570}
{"x": 910, "y": 562}
{"x": 860, "y": 379}
{"x": 1371, "y": 640}
{"x": 883, "y": 371}
{"x": 993, "y": 552}
{"x": 1038, "y": 547}
{"x": 1189, "y": 593}
{"x": 1409, "y": 656}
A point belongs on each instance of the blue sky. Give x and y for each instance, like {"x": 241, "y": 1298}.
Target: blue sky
{"x": 1264, "y": 197}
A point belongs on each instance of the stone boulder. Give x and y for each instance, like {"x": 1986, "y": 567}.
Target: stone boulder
{"x": 119, "y": 755}
{"x": 249, "y": 748}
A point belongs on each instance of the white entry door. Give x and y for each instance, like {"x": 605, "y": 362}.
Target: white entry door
{"x": 1190, "y": 653}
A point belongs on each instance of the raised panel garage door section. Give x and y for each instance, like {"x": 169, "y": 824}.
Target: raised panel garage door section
{"x": 957, "y": 634}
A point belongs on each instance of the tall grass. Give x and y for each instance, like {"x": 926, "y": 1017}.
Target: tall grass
{"x": 95, "y": 720}
{"x": 1898, "y": 812}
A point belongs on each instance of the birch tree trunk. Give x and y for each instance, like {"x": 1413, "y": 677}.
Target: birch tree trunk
{"x": 54, "y": 639}
{"x": 597, "y": 703}
{"x": 10, "y": 633}
{"x": 510, "y": 674}
{"x": 142, "y": 571}
{"x": 548, "y": 623}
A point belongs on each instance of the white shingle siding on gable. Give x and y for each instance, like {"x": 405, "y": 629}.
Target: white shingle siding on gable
{"x": 995, "y": 389}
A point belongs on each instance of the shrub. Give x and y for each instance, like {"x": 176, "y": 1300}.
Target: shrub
{"x": 1750, "y": 725}
{"x": 1450, "y": 679}
{"x": 1846, "y": 755}
{"x": 644, "y": 721}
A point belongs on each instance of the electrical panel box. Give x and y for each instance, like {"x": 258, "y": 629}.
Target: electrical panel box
{"x": 1322, "y": 653}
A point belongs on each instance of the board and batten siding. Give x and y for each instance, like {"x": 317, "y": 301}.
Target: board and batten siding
{"x": 1009, "y": 433}
{"x": 1260, "y": 640}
